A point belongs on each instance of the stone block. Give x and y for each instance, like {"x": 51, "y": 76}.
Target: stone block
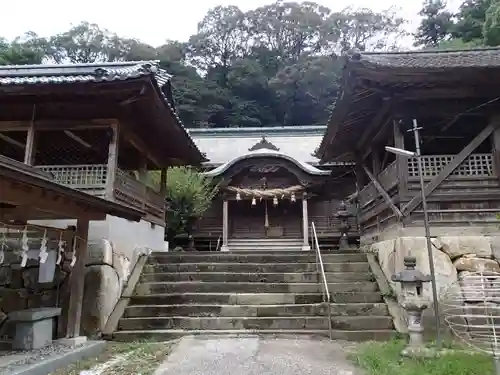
{"x": 99, "y": 252}
{"x": 102, "y": 292}
{"x": 34, "y": 327}
{"x": 457, "y": 246}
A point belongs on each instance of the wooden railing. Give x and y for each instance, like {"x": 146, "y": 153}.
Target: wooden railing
{"x": 476, "y": 165}
{"x": 134, "y": 193}
{"x": 92, "y": 179}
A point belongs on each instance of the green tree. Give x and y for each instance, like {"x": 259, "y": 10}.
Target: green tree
{"x": 436, "y": 24}
{"x": 28, "y": 49}
{"x": 363, "y": 30}
{"x": 88, "y": 43}
{"x": 189, "y": 195}
{"x": 491, "y": 27}
{"x": 470, "y": 20}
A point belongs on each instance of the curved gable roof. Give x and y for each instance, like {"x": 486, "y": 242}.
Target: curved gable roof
{"x": 307, "y": 168}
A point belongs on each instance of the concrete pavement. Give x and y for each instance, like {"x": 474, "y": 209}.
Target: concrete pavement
{"x": 253, "y": 355}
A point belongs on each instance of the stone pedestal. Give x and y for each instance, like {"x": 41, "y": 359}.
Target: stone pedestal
{"x": 34, "y": 327}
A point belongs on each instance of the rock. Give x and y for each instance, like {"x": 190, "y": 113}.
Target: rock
{"x": 102, "y": 291}
{"x": 12, "y": 299}
{"x": 46, "y": 298}
{"x": 122, "y": 265}
{"x": 446, "y": 273}
{"x": 495, "y": 247}
{"x": 476, "y": 265}
{"x": 5, "y": 276}
{"x": 100, "y": 252}
{"x": 30, "y": 278}
{"x": 457, "y": 246}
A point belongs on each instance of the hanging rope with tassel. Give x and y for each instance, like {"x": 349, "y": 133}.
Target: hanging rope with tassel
{"x": 266, "y": 193}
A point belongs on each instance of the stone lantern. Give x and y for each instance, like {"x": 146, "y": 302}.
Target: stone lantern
{"x": 343, "y": 214}
{"x": 414, "y": 304}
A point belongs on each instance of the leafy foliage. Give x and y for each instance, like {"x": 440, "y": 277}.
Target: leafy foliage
{"x": 189, "y": 195}
{"x": 270, "y": 66}
{"x": 477, "y": 23}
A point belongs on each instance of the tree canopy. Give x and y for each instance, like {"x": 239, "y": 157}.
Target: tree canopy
{"x": 476, "y": 24}
{"x": 274, "y": 65}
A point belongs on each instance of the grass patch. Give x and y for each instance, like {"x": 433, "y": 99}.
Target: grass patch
{"x": 384, "y": 359}
{"x": 142, "y": 358}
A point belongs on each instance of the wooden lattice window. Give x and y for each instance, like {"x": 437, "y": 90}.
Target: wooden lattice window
{"x": 478, "y": 165}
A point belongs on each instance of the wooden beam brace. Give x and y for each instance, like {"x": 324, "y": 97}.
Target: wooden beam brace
{"x": 379, "y": 117}
{"x": 29, "y": 151}
{"x": 56, "y": 124}
{"x": 382, "y": 192}
{"x": 11, "y": 141}
{"x": 450, "y": 167}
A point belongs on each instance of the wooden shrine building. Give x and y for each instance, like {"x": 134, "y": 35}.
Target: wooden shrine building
{"x": 454, "y": 97}
{"x": 270, "y": 186}
{"x": 101, "y": 129}
{"x": 78, "y": 144}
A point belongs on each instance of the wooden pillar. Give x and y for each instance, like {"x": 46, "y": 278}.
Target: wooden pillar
{"x": 495, "y": 145}
{"x": 143, "y": 178}
{"x": 29, "y": 150}
{"x": 305, "y": 224}
{"x": 401, "y": 161}
{"x": 225, "y": 225}
{"x": 376, "y": 162}
{"x": 163, "y": 182}
{"x": 112, "y": 162}
{"x": 77, "y": 279}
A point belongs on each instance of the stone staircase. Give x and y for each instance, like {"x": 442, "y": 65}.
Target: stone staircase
{"x": 254, "y": 292}
{"x": 265, "y": 245}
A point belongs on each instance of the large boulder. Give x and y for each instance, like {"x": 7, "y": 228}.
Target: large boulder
{"x": 475, "y": 264}
{"x": 102, "y": 292}
{"x": 457, "y": 246}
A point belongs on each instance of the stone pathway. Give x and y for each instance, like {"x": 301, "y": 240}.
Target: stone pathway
{"x": 252, "y": 355}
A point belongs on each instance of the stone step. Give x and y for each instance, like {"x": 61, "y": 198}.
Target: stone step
{"x": 321, "y": 309}
{"x": 256, "y": 267}
{"x": 169, "y": 334}
{"x": 258, "y": 248}
{"x": 218, "y": 257}
{"x": 242, "y": 287}
{"x": 252, "y": 298}
{"x": 265, "y": 240}
{"x": 306, "y": 277}
{"x": 277, "y": 322}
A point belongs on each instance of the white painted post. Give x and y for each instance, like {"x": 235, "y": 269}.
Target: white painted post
{"x": 305, "y": 224}
{"x": 225, "y": 225}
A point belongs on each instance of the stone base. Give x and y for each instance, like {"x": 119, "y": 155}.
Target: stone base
{"x": 306, "y": 248}
{"x": 224, "y": 248}
{"x": 34, "y": 327}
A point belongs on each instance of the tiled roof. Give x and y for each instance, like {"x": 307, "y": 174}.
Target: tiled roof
{"x": 306, "y": 167}
{"x": 474, "y": 58}
{"x": 225, "y": 144}
{"x": 71, "y": 73}
{"x": 92, "y": 72}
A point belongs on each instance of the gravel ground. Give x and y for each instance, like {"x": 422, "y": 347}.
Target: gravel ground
{"x": 257, "y": 356}
{"x": 20, "y": 359}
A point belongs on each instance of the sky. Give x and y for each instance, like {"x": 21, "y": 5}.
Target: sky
{"x": 153, "y": 21}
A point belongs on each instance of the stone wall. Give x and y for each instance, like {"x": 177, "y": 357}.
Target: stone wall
{"x": 455, "y": 258}
{"x": 106, "y": 273}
